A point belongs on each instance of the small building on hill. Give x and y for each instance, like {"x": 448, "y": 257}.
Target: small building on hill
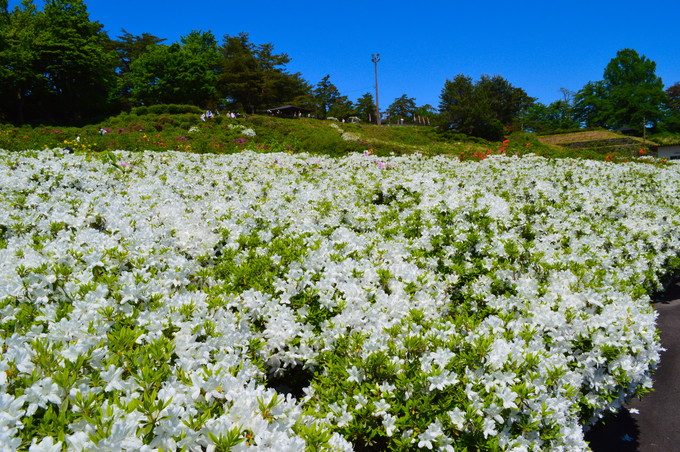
{"x": 288, "y": 111}
{"x": 670, "y": 152}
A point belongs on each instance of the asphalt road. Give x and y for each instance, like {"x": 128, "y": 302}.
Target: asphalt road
{"x": 656, "y": 425}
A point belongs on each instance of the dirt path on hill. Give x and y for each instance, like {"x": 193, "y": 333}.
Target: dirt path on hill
{"x": 656, "y": 425}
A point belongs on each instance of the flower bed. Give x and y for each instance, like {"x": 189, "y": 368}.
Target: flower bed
{"x": 167, "y": 300}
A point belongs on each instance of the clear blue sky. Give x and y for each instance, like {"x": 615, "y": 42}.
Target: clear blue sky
{"x": 540, "y": 46}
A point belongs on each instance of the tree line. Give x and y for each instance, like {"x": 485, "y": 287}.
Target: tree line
{"x": 630, "y": 98}
{"x": 58, "y": 66}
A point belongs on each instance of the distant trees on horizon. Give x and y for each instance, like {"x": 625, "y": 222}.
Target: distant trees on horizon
{"x": 58, "y": 66}
{"x": 630, "y": 98}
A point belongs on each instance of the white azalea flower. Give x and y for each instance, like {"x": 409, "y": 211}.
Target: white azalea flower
{"x": 457, "y": 417}
{"x": 355, "y": 375}
{"x": 47, "y": 444}
{"x": 41, "y": 393}
{"x": 219, "y": 265}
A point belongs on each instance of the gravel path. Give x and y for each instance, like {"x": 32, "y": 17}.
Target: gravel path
{"x": 656, "y": 426}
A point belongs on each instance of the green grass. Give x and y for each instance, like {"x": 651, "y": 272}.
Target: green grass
{"x": 603, "y": 143}
{"x": 666, "y": 138}
{"x": 163, "y": 129}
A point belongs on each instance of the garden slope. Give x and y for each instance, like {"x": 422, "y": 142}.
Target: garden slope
{"x": 600, "y": 141}
{"x": 149, "y": 299}
{"x": 187, "y": 133}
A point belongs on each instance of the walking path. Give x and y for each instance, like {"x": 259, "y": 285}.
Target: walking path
{"x": 656, "y": 425}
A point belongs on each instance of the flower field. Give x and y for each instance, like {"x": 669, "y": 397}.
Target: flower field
{"x": 271, "y": 301}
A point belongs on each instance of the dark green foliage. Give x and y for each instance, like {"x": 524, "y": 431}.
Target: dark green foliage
{"x": 129, "y": 48}
{"x": 365, "y": 108}
{"x": 58, "y": 67}
{"x": 634, "y": 90}
{"x": 630, "y": 96}
{"x": 403, "y": 107}
{"x": 590, "y": 105}
{"x": 18, "y": 60}
{"x": 673, "y": 97}
{"x": 182, "y": 73}
{"x": 541, "y": 118}
{"x": 342, "y": 108}
{"x": 79, "y": 71}
{"x": 326, "y": 95}
{"x": 253, "y": 78}
{"x": 169, "y": 109}
{"x": 486, "y": 109}
{"x": 671, "y": 119}
{"x": 427, "y": 112}
{"x": 55, "y": 63}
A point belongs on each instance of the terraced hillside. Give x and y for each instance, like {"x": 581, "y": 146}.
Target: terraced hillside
{"x": 601, "y": 141}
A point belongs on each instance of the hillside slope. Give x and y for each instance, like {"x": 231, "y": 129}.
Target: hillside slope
{"x": 600, "y": 141}
{"x": 187, "y": 132}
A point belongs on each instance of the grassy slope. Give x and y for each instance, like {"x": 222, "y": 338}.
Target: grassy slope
{"x": 599, "y": 141}
{"x": 222, "y": 135}
{"x": 666, "y": 138}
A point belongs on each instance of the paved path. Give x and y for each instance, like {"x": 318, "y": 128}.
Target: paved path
{"x": 657, "y": 425}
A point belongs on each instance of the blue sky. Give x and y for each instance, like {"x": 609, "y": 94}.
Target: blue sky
{"x": 540, "y": 46}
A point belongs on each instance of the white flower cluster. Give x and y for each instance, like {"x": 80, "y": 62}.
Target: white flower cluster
{"x": 245, "y": 131}
{"x": 346, "y": 136}
{"x": 421, "y": 303}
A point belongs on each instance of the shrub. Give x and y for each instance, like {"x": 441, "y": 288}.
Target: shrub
{"x": 167, "y": 109}
{"x": 163, "y": 299}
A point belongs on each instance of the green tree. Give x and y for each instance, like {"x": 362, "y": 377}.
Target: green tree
{"x": 128, "y": 48}
{"x": 673, "y": 97}
{"x": 426, "y": 113}
{"x": 459, "y": 111}
{"x": 365, "y": 108}
{"x": 20, "y": 82}
{"x": 306, "y": 101}
{"x": 326, "y": 94}
{"x": 241, "y": 76}
{"x": 630, "y": 96}
{"x": 541, "y": 118}
{"x": 591, "y": 105}
{"x": 485, "y": 109}
{"x": 342, "y": 108}
{"x": 184, "y": 72}
{"x": 254, "y": 78}
{"x": 671, "y": 119}
{"x": 634, "y": 90}
{"x": 506, "y": 102}
{"x": 55, "y": 64}
{"x": 403, "y": 107}
{"x": 75, "y": 61}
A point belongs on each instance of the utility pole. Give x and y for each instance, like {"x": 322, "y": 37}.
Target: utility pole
{"x": 375, "y": 58}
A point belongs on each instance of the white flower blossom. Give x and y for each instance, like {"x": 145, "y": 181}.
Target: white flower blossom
{"x": 217, "y": 277}
{"x": 457, "y": 417}
{"x": 47, "y": 444}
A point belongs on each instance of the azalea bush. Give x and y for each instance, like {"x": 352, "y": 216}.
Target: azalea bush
{"x": 179, "y": 128}
{"x": 173, "y": 300}
{"x": 152, "y": 129}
